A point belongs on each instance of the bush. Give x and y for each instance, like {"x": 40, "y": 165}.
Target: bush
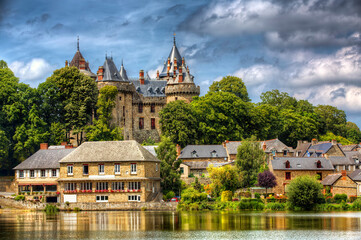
{"x": 76, "y": 209}
{"x": 340, "y": 197}
{"x": 257, "y": 195}
{"x": 51, "y": 209}
{"x": 276, "y": 206}
{"x": 304, "y": 192}
{"x": 353, "y": 198}
{"x": 356, "y": 205}
{"x": 143, "y": 209}
{"x": 169, "y": 195}
{"x": 226, "y": 196}
{"x": 190, "y": 195}
{"x": 19, "y": 198}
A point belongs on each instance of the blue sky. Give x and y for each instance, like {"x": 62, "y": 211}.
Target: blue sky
{"x": 310, "y": 48}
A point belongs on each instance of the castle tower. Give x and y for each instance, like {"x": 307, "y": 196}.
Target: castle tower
{"x": 180, "y": 84}
{"x": 79, "y": 62}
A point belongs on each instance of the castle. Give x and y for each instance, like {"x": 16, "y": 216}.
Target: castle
{"x": 140, "y": 100}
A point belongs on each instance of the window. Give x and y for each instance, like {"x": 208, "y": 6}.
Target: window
{"x": 156, "y": 167}
{"x": 120, "y": 98}
{"x": 152, "y": 123}
{"x": 134, "y": 185}
{"x": 140, "y": 108}
{"x": 42, "y": 173}
{"x": 51, "y": 188}
{"x": 21, "y": 174}
{"x": 288, "y": 175}
{"x": 70, "y": 186}
{"x": 288, "y": 164}
{"x": 133, "y": 168}
{"x": 86, "y": 186}
{"x": 85, "y": 169}
{"x": 102, "y": 198}
{"x": 141, "y": 123}
{"x": 134, "y": 198}
{"x": 176, "y": 98}
{"x": 101, "y": 168}
{"x": 53, "y": 172}
{"x": 32, "y": 173}
{"x": 102, "y": 186}
{"x": 181, "y": 170}
{"x": 117, "y": 185}
{"x": 123, "y": 111}
{"x": 273, "y": 152}
{"x": 319, "y": 164}
{"x": 214, "y": 154}
{"x": 70, "y": 169}
{"x": 117, "y": 168}
{"x": 347, "y": 167}
{"x": 152, "y": 107}
{"x": 194, "y": 154}
{"x": 319, "y": 176}
{"x": 285, "y": 153}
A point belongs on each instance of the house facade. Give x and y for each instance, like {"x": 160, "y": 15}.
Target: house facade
{"x": 117, "y": 171}
{"x": 36, "y": 177}
{"x": 286, "y": 169}
{"x": 339, "y": 183}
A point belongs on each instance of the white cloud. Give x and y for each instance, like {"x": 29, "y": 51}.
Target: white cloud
{"x": 34, "y": 71}
{"x": 153, "y": 72}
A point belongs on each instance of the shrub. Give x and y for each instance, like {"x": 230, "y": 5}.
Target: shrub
{"x": 340, "y": 197}
{"x": 353, "y": 198}
{"x": 190, "y": 195}
{"x": 49, "y": 209}
{"x": 276, "y": 206}
{"x": 76, "y": 209}
{"x": 191, "y": 175}
{"x": 226, "y": 196}
{"x": 304, "y": 192}
{"x": 19, "y": 198}
{"x": 67, "y": 203}
{"x": 169, "y": 195}
{"x": 143, "y": 209}
{"x": 356, "y": 205}
{"x": 257, "y": 195}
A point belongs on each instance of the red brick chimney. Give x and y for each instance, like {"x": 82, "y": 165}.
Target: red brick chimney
{"x": 68, "y": 146}
{"x": 334, "y": 142}
{"x": 178, "y": 150}
{"x": 344, "y": 174}
{"x": 100, "y": 73}
{"x": 141, "y": 77}
{"x": 264, "y": 146}
{"x": 43, "y": 146}
{"x": 168, "y": 65}
{"x": 157, "y": 74}
{"x": 314, "y": 141}
{"x": 63, "y": 143}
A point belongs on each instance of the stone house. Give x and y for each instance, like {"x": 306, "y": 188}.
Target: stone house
{"x": 339, "y": 183}
{"x": 116, "y": 171}
{"x": 286, "y": 169}
{"x": 356, "y": 176}
{"x": 352, "y": 147}
{"x": 36, "y": 177}
{"x": 140, "y": 100}
{"x": 318, "y": 149}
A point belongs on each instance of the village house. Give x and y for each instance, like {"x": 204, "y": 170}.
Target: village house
{"x": 286, "y": 169}
{"x": 356, "y": 176}
{"x": 116, "y": 171}
{"x": 339, "y": 183}
{"x": 318, "y": 149}
{"x": 36, "y": 177}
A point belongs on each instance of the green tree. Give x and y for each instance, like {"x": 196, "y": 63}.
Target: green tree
{"x": 279, "y": 99}
{"x": 57, "y": 133}
{"x": 249, "y": 159}
{"x": 102, "y": 129}
{"x": 3, "y": 64}
{"x": 330, "y": 136}
{"x": 179, "y": 123}
{"x": 353, "y": 132}
{"x": 231, "y": 84}
{"x": 267, "y": 121}
{"x": 225, "y": 178}
{"x": 331, "y": 119}
{"x": 304, "y": 192}
{"x": 4, "y": 151}
{"x": 169, "y": 166}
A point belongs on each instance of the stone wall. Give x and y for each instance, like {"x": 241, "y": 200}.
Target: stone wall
{"x": 190, "y": 180}
{"x": 344, "y": 185}
{"x": 7, "y": 185}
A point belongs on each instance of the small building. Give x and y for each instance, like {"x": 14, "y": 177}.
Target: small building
{"x": 199, "y": 168}
{"x": 343, "y": 163}
{"x": 286, "y": 169}
{"x": 36, "y": 177}
{"x": 114, "y": 171}
{"x": 318, "y": 149}
{"x": 339, "y": 183}
{"x": 356, "y": 176}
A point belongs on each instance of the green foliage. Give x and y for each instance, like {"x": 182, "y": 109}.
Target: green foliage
{"x": 4, "y": 150}
{"x": 226, "y": 196}
{"x": 257, "y": 195}
{"x": 353, "y": 132}
{"x": 304, "y": 192}
{"x": 197, "y": 185}
{"x": 331, "y": 119}
{"x": 3, "y": 64}
{"x": 57, "y": 133}
{"x": 76, "y": 209}
{"x": 148, "y": 142}
{"x": 51, "y": 209}
{"x": 340, "y": 197}
{"x": 190, "y": 195}
{"x": 169, "y": 166}
{"x": 330, "y": 136}
{"x": 249, "y": 159}
{"x": 19, "y": 198}
{"x": 279, "y": 99}
{"x": 169, "y": 195}
{"x": 224, "y": 178}
{"x": 276, "y": 206}
{"x": 231, "y": 84}
{"x": 356, "y": 205}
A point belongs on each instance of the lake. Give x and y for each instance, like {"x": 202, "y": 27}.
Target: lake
{"x": 16, "y": 224}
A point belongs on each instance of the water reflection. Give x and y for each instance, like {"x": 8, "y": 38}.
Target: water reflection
{"x": 86, "y": 225}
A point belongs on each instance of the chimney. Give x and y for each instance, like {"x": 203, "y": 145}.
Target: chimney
{"x": 224, "y": 144}
{"x": 334, "y": 142}
{"x": 178, "y": 150}
{"x": 264, "y": 146}
{"x": 157, "y": 74}
{"x": 100, "y": 73}
{"x": 344, "y": 174}
{"x": 66, "y": 63}
{"x": 63, "y": 143}
{"x": 180, "y": 78}
{"x": 43, "y": 146}
{"x": 70, "y": 146}
{"x": 314, "y": 141}
{"x": 141, "y": 77}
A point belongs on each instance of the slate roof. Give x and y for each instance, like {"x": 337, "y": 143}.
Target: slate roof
{"x": 110, "y": 71}
{"x": 298, "y": 163}
{"x": 44, "y": 159}
{"x": 321, "y": 147}
{"x": 272, "y": 144}
{"x": 123, "y": 73}
{"x": 302, "y": 148}
{"x": 151, "y": 149}
{"x": 355, "y": 175}
{"x": 111, "y": 151}
{"x": 203, "y": 151}
{"x": 347, "y": 148}
{"x": 330, "y": 179}
{"x": 150, "y": 88}
{"x": 174, "y": 53}
{"x": 353, "y": 155}
{"x": 341, "y": 161}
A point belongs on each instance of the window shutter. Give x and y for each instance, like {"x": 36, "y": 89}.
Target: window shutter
{"x": 57, "y": 172}
{"x": 17, "y": 173}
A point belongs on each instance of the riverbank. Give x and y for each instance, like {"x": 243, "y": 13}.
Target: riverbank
{"x": 134, "y": 206}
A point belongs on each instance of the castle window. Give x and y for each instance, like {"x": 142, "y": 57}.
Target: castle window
{"x": 117, "y": 168}
{"x": 101, "y": 168}
{"x": 102, "y": 186}
{"x": 123, "y": 111}
{"x": 284, "y": 152}
{"x": 70, "y": 186}
{"x": 120, "y": 98}
{"x": 53, "y": 172}
{"x": 152, "y": 107}
{"x": 86, "y": 186}
{"x": 157, "y": 90}
{"x": 42, "y": 173}
{"x": 118, "y": 186}
{"x": 163, "y": 89}
{"x": 152, "y": 123}
{"x": 32, "y": 173}
{"x": 140, "y": 107}
{"x": 141, "y": 123}
{"x": 133, "y": 168}
{"x": 70, "y": 169}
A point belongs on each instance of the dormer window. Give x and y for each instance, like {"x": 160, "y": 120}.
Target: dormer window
{"x": 319, "y": 164}
{"x": 194, "y": 153}
{"x": 150, "y": 89}
{"x": 163, "y": 89}
{"x": 157, "y": 90}
{"x": 214, "y": 153}
{"x": 273, "y": 152}
{"x": 284, "y": 152}
{"x": 288, "y": 164}
{"x": 138, "y": 89}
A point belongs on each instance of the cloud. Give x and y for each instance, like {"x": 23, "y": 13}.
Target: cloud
{"x": 32, "y": 72}
{"x": 42, "y": 19}
{"x": 153, "y": 72}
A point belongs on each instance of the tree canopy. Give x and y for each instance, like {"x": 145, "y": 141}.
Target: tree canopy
{"x": 231, "y": 84}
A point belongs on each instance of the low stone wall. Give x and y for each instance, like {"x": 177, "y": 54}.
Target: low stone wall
{"x": 190, "y": 180}
{"x": 7, "y": 185}
{"x": 154, "y": 206}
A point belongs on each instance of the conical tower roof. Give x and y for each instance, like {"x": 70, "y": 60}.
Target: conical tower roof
{"x": 110, "y": 70}
{"x": 123, "y": 73}
{"x": 174, "y": 53}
